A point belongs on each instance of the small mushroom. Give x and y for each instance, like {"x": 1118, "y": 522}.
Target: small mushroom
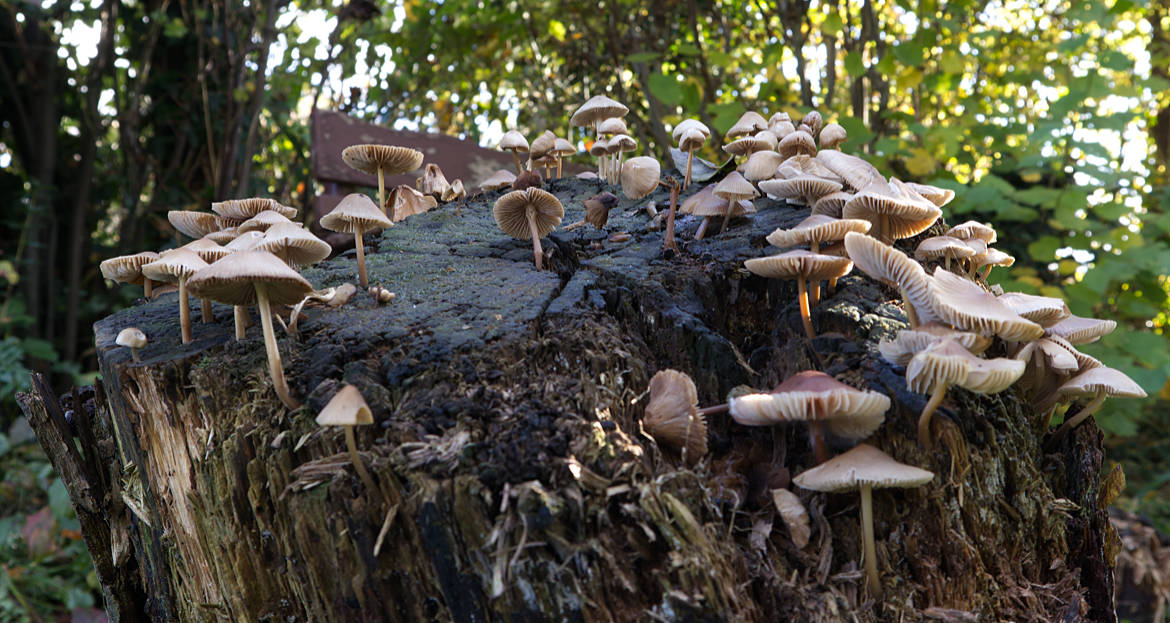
{"x": 294, "y": 244}
{"x": 734, "y": 188}
{"x": 380, "y": 294}
{"x": 895, "y": 214}
{"x": 966, "y": 306}
{"x": 672, "y": 416}
{"x": 382, "y": 160}
{"x": 499, "y": 179}
{"x": 531, "y": 212}
{"x": 432, "y": 181}
{"x": 348, "y": 409}
{"x": 356, "y": 214}
{"x": 596, "y": 211}
{"x": 749, "y": 123}
{"x": 862, "y": 469}
{"x": 515, "y": 142}
{"x": 813, "y": 231}
{"x": 856, "y": 172}
{"x": 1100, "y": 383}
{"x": 690, "y": 134}
{"x": 405, "y": 201}
{"x": 831, "y": 136}
{"x": 128, "y": 269}
{"x": 262, "y": 221}
{"x": 175, "y": 267}
{"x": 132, "y": 338}
{"x": 800, "y": 265}
{"x": 1078, "y": 330}
{"x": 796, "y": 143}
{"x": 233, "y": 212}
{"x": 761, "y": 165}
{"x": 943, "y": 248}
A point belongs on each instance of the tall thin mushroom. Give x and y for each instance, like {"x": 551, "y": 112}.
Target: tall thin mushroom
{"x": 381, "y": 160}
{"x": 175, "y": 267}
{"x": 356, "y": 215}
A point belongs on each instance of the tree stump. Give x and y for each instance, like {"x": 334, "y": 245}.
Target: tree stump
{"x": 515, "y": 481}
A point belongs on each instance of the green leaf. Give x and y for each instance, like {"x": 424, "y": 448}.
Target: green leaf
{"x": 1111, "y": 211}
{"x": 666, "y": 88}
{"x": 175, "y": 29}
{"x": 687, "y": 49}
{"x": 1072, "y": 44}
{"x": 556, "y": 29}
{"x": 832, "y": 26}
{"x": 726, "y": 114}
{"x": 854, "y": 65}
{"x": 1117, "y": 61}
{"x": 1038, "y": 196}
{"x": 1043, "y": 249}
{"x": 909, "y": 53}
{"x": 886, "y": 65}
{"x": 642, "y": 57}
{"x": 39, "y": 349}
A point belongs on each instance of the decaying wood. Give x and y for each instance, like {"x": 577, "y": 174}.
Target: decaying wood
{"x": 517, "y": 483}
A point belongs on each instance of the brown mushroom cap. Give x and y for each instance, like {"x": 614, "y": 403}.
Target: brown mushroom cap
{"x": 903, "y": 215}
{"x": 207, "y": 250}
{"x": 964, "y": 305}
{"x": 672, "y": 415}
{"x": 595, "y": 109}
{"x": 245, "y": 241}
{"x": 405, "y": 201}
{"x": 864, "y": 465}
{"x": 346, "y": 408}
{"x": 811, "y": 396}
{"x": 511, "y": 212}
{"x": 294, "y": 244}
{"x": 390, "y": 158}
{"x": 910, "y": 342}
{"x": 1043, "y": 310}
{"x": 939, "y": 247}
{"x": 174, "y": 265}
{"x": 807, "y": 189}
{"x": 193, "y": 224}
{"x": 356, "y": 214}
{"x": 761, "y": 165}
{"x": 543, "y": 145}
{"x": 813, "y": 120}
{"x": 1078, "y": 330}
{"x": 223, "y": 236}
{"x": 816, "y": 228}
{"x": 244, "y": 209}
{"x": 231, "y": 280}
{"x": 973, "y": 229}
{"x": 856, "y": 172}
{"x": 749, "y": 123}
{"x": 127, "y": 268}
{"x": 499, "y": 179}
{"x": 262, "y": 221}
{"x": 798, "y": 142}
{"x": 454, "y": 191}
{"x": 792, "y": 264}
{"x": 639, "y": 176}
{"x": 832, "y": 135}
{"x": 687, "y": 125}
{"x": 892, "y": 267}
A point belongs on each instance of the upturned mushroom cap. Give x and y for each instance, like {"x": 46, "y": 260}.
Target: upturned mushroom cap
{"x": 207, "y": 250}
{"x": 749, "y": 123}
{"x": 640, "y": 176}
{"x": 346, "y": 408}
{"x": 244, "y": 209}
{"x": 672, "y": 415}
{"x": 778, "y": 117}
{"x": 940, "y": 247}
{"x": 355, "y": 214}
{"x": 405, "y": 201}
{"x": 816, "y": 228}
{"x": 1078, "y": 330}
{"x": 294, "y": 244}
{"x": 262, "y": 221}
{"x": 131, "y": 337}
{"x": 231, "y": 280}
{"x": 910, "y": 342}
{"x": 807, "y": 189}
{"x": 793, "y": 264}
{"x": 973, "y": 229}
{"x": 127, "y": 268}
{"x": 432, "y": 181}
{"x": 761, "y": 165}
{"x": 193, "y": 224}
{"x": 964, "y": 305}
{"x": 947, "y": 362}
{"x": 782, "y": 128}
{"x": 832, "y": 135}
{"x": 174, "y": 265}
{"x": 856, "y": 172}
{"x": 768, "y": 137}
{"x": 1113, "y": 383}
{"x": 892, "y": 267}
{"x": 595, "y": 109}
{"x": 612, "y": 125}
{"x": 511, "y": 212}
{"x": 1043, "y": 310}
{"x": 686, "y": 125}
{"x": 734, "y": 187}
{"x": 864, "y": 465}
{"x": 832, "y": 204}
{"x": 390, "y": 158}
{"x": 938, "y": 196}
{"x": 798, "y": 142}
{"x": 499, "y": 179}
{"x": 746, "y": 145}
{"x": 904, "y": 216}
{"x": 810, "y": 396}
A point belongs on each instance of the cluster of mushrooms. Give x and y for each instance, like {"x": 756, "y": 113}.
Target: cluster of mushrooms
{"x": 246, "y": 252}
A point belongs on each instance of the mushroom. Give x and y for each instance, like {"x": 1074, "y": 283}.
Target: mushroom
{"x": 499, "y": 179}
{"x": 259, "y": 277}
{"x": 348, "y": 409}
{"x": 943, "y": 248}
{"x": 831, "y": 136}
{"x": 1043, "y": 310}
{"x": 813, "y": 121}
{"x": 209, "y": 251}
{"x": 562, "y": 149}
{"x": 175, "y": 267}
{"x": 894, "y": 214}
{"x": 892, "y": 267}
{"x": 381, "y": 160}
{"x": 821, "y": 401}
{"x": 813, "y": 231}
{"x": 856, "y": 172}
{"x": 128, "y": 269}
{"x": 910, "y": 342}
{"x": 294, "y": 244}
{"x": 734, "y": 188}
{"x": 531, "y": 212}
{"x": 746, "y": 146}
{"x": 640, "y": 176}
{"x": 862, "y": 469}
{"x": 938, "y": 196}
{"x": 455, "y": 192}
{"x": 761, "y": 165}
{"x": 973, "y": 230}
{"x": 405, "y": 201}
{"x": 690, "y": 135}
{"x": 224, "y": 236}
{"x": 262, "y": 221}
{"x": 432, "y": 181}
{"x": 132, "y": 338}
{"x": 796, "y": 143}
{"x": 1100, "y": 383}
{"x": 593, "y": 112}
{"x": 1078, "y": 330}
{"x": 705, "y": 204}
{"x": 749, "y": 122}
{"x": 806, "y": 189}
{"x": 621, "y": 144}
{"x": 964, "y": 305}
{"x": 596, "y": 211}
{"x": 599, "y": 149}
{"x": 832, "y": 203}
{"x": 234, "y": 212}
{"x": 356, "y": 215}
{"x": 800, "y": 265}
{"x": 990, "y": 259}
{"x": 515, "y": 142}
{"x": 673, "y": 417}
{"x": 193, "y": 224}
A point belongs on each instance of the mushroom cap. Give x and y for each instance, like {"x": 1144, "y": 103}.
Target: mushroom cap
{"x": 599, "y": 148}
{"x": 346, "y": 408}
{"x": 964, "y": 305}
{"x": 513, "y": 140}
{"x": 244, "y": 209}
{"x": 948, "y": 362}
{"x": 939, "y": 247}
{"x": 856, "y": 172}
{"x": 295, "y": 244}
{"x": 749, "y": 123}
{"x": 813, "y": 120}
{"x": 127, "y": 268}
{"x": 689, "y": 124}
{"x": 734, "y": 187}
{"x": 973, "y": 229}
{"x": 512, "y": 210}
{"x": 639, "y": 176}
{"x": 746, "y": 145}
{"x": 938, "y": 196}
{"x": 499, "y": 179}
{"x": 390, "y": 158}
{"x": 905, "y": 217}
{"x": 793, "y": 264}
{"x": 778, "y": 117}
{"x": 454, "y": 191}
{"x": 761, "y": 165}
{"x": 812, "y": 395}
{"x": 1113, "y": 382}
{"x": 890, "y": 266}
{"x": 1056, "y": 357}
{"x": 782, "y": 128}
{"x": 910, "y": 342}
{"x": 691, "y": 140}
{"x": 1078, "y": 330}
{"x": 832, "y": 203}
{"x": 798, "y": 142}
{"x": 805, "y": 188}
{"x": 174, "y": 265}
{"x": 223, "y": 236}
{"x": 862, "y": 466}
{"x": 992, "y": 257}
{"x": 432, "y": 181}
{"x": 1084, "y": 362}
{"x": 207, "y": 250}
{"x": 405, "y": 201}
{"x": 355, "y": 214}
{"x": 231, "y": 280}
{"x": 595, "y": 109}
{"x": 672, "y": 414}
{"x": 769, "y": 137}
{"x": 131, "y": 337}
{"x": 246, "y": 241}
{"x": 832, "y": 135}
{"x": 563, "y": 147}
{"x": 1043, "y": 310}
{"x": 543, "y": 145}
{"x": 622, "y": 143}
{"x": 816, "y": 228}
{"x": 612, "y": 125}
{"x": 262, "y": 221}
{"x": 193, "y": 224}
{"x": 705, "y": 203}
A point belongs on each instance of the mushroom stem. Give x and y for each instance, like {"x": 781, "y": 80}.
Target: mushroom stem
{"x": 702, "y": 228}
{"x": 720, "y": 408}
{"x": 1083, "y": 414}
{"x": 519, "y": 167}
{"x": 690, "y": 159}
{"x": 275, "y": 368}
{"x": 358, "y": 465}
{"x": 832, "y": 286}
{"x": 147, "y": 288}
{"x": 134, "y": 354}
{"x": 560, "y": 159}
{"x": 205, "y": 311}
{"x": 816, "y": 437}
{"x": 537, "y": 252}
{"x": 947, "y": 261}
{"x": 870, "y": 555}
{"x": 184, "y": 311}
{"x": 802, "y": 294}
{"x": 382, "y": 192}
{"x": 911, "y": 313}
{"x": 668, "y": 241}
{"x": 359, "y": 244}
{"x": 241, "y": 318}
{"x": 727, "y": 215}
{"x": 814, "y": 290}
{"x": 936, "y": 397}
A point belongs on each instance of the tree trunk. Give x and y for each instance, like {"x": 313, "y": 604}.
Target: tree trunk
{"x": 508, "y": 449}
